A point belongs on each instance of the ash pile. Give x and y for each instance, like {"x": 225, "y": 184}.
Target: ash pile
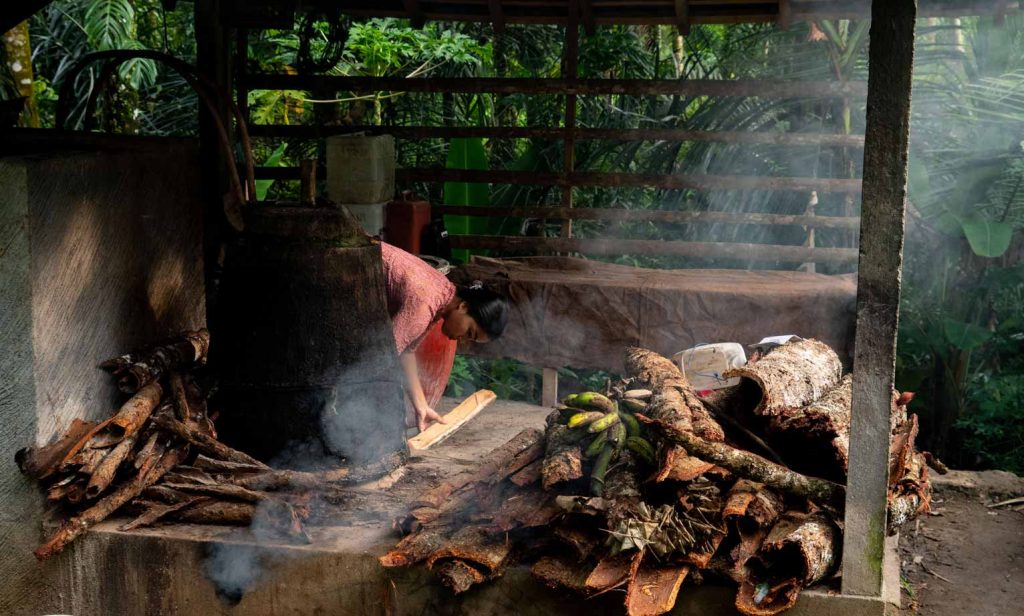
{"x": 648, "y": 486}
{"x": 157, "y": 458}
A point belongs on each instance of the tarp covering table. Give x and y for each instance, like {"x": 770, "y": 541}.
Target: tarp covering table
{"x": 569, "y": 312}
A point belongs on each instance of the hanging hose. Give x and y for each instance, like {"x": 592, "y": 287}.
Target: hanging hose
{"x": 206, "y": 90}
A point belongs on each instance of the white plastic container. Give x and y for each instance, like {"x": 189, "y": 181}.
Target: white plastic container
{"x": 360, "y": 169}
{"x": 369, "y": 215}
{"x": 703, "y": 365}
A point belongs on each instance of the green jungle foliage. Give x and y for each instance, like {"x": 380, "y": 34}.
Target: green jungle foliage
{"x": 962, "y": 323}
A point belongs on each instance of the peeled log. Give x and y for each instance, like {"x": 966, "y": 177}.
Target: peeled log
{"x": 800, "y": 550}
{"x": 792, "y": 375}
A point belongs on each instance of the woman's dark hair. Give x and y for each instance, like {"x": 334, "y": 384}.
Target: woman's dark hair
{"x": 488, "y": 308}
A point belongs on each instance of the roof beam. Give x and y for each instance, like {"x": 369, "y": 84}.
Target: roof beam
{"x": 497, "y": 16}
{"x": 683, "y": 16}
{"x": 415, "y": 14}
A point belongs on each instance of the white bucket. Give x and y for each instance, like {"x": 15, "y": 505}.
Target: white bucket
{"x": 703, "y": 365}
{"x": 369, "y": 215}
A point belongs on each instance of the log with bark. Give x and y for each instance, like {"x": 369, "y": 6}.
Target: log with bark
{"x": 792, "y": 375}
{"x": 134, "y": 370}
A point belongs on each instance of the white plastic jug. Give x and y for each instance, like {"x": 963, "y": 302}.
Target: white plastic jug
{"x": 704, "y": 364}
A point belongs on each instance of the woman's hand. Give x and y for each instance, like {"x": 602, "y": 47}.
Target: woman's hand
{"x": 426, "y": 416}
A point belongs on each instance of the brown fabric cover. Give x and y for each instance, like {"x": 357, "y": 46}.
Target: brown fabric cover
{"x": 569, "y": 312}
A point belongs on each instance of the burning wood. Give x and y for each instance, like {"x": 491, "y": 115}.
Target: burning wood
{"x": 643, "y": 488}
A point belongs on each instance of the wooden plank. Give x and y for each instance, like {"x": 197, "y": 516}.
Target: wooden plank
{"x": 549, "y": 387}
{"x": 455, "y": 418}
{"x": 709, "y": 250}
{"x": 683, "y": 17}
{"x": 497, "y": 17}
{"x": 580, "y": 87}
{"x": 293, "y": 131}
{"x": 660, "y": 216}
{"x": 569, "y": 66}
{"x": 891, "y": 64}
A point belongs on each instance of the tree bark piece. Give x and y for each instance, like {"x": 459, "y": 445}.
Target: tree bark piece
{"x": 306, "y": 480}
{"x": 213, "y": 465}
{"x": 654, "y": 589}
{"x": 560, "y": 572}
{"x": 220, "y": 491}
{"x": 135, "y": 370}
{"x": 218, "y": 512}
{"x": 800, "y": 549}
{"x": 752, "y": 466}
{"x": 104, "y": 507}
{"x": 41, "y": 462}
{"x": 107, "y": 468}
{"x": 475, "y": 545}
{"x": 749, "y": 512}
{"x": 563, "y": 460}
{"x": 204, "y": 443}
{"x": 792, "y": 375}
{"x": 134, "y": 413}
{"x": 414, "y": 548}
{"x": 459, "y": 576}
{"x": 611, "y": 571}
{"x": 157, "y": 511}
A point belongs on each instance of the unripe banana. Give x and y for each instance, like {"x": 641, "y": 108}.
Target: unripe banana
{"x": 617, "y": 436}
{"x": 600, "y": 468}
{"x": 584, "y": 418}
{"x": 633, "y": 406}
{"x": 609, "y": 420}
{"x": 596, "y": 445}
{"x": 632, "y": 425}
{"x": 593, "y": 400}
{"x": 642, "y": 448}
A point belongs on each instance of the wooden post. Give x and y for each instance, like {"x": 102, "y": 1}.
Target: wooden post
{"x": 549, "y": 387}
{"x": 812, "y": 208}
{"x": 571, "y": 55}
{"x": 891, "y": 63}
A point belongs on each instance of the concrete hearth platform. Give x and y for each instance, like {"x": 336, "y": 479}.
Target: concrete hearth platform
{"x": 165, "y": 570}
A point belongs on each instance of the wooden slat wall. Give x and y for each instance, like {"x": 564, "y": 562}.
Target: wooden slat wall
{"x": 570, "y": 87}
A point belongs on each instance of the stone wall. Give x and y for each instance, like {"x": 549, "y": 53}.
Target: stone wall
{"x": 100, "y": 252}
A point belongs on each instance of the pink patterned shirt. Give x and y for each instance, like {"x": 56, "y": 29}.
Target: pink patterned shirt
{"x": 417, "y": 293}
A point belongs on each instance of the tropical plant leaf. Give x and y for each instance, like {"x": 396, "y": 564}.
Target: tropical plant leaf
{"x": 965, "y": 336}
{"x": 987, "y": 238}
{"x": 274, "y": 160}
{"x": 466, "y": 153}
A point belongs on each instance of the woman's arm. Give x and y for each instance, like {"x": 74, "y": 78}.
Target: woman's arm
{"x": 424, "y": 414}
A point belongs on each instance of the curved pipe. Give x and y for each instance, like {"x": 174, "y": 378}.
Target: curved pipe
{"x": 205, "y": 89}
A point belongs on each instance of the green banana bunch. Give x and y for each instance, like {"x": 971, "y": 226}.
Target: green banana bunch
{"x": 596, "y": 445}
{"x": 584, "y": 418}
{"x": 590, "y": 400}
{"x": 642, "y": 448}
{"x": 600, "y": 468}
{"x": 606, "y": 421}
{"x": 633, "y": 406}
{"x": 632, "y": 425}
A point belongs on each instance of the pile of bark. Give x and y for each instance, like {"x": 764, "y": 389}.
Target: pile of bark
{"x": 157, "y": 457}
{"x": 650, "y": 485}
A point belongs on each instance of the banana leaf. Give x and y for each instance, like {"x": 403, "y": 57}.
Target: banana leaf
{"x": 466, "y": 153}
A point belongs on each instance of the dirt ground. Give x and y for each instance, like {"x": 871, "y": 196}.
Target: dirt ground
{"x": 966, "y": 557}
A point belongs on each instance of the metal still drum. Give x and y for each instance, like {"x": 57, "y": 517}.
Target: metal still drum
{"x": 303, "y": 345}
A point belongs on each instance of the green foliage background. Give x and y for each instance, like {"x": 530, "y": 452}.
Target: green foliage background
{"x": 962, "y": 325}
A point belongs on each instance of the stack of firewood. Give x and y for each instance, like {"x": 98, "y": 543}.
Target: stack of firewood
{"x": 650, "y": 484}
{"x": 158, "y": 457}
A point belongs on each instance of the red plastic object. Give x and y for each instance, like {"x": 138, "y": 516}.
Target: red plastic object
{"x": 435, "y": 356}
{"x": 404, "y": 221}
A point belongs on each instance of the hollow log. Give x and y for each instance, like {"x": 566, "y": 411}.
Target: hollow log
{"x": 817, "y": 436}
{"x": 107, "y": 468}
{"x": 792, "y": 375}
{"x": 135, "y": 370}
{"x": 112, "y": 502}
{"x": 800, "y": 550}
{"x": 749, "y": 512}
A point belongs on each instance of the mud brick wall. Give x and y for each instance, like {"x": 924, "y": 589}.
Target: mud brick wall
{"x": 100, "y": 252}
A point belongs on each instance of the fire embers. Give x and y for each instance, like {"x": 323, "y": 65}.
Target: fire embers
{"x": 696, "y": 496}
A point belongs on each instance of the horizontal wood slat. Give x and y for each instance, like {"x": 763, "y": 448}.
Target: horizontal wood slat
{"x": 291, "y": 131}
{"x": 710, "y": 250}
{"x": 582, "y": 87}
{"x": 661, "y": 216}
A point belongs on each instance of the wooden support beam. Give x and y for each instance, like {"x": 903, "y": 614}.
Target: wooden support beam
{"x": 454, "y": 420}
{"x": 891, "y": 64}
{"x": 708, "y": 250}
{"x": 784, "y": 88}
{"x": 497, "y": 16}
{"x": 785, "y": 19}
{"x": 587, "y": 17}
{"x": 570, "y": 59}
{"x": 659, "y": 216}
{"x": 295, "y": 131}
{"x": 412, "y": 10}
{"x": 683, "y": 17}
{"x": 549, "y": 387}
